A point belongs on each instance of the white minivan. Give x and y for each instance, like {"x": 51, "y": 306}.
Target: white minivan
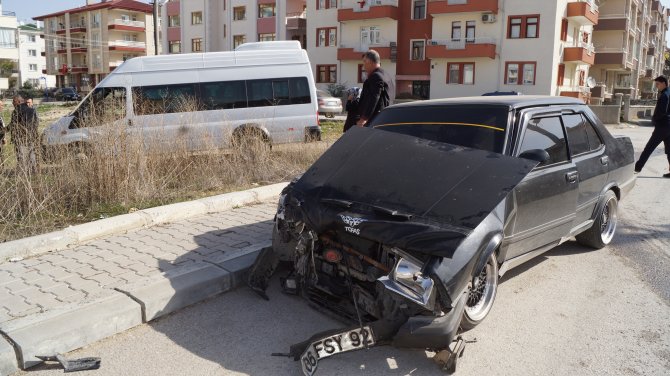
{"x": 203, "y": 100}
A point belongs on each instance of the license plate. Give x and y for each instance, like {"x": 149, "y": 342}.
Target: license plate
{"x": 342, "y": 342}
{"x": 332, "y": 103}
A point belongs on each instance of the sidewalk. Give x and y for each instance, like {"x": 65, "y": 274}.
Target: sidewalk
{"x": 65, "y": 300}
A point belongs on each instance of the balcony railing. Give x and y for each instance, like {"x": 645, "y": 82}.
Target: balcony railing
{"x": 460, "y": 44}
{"x": 77, "y": 25}
{"x": 127, "y": 43}
{"x": 461, "y": 48}
{"x": 122, "y": 22}
{"x": 362, "y": 6}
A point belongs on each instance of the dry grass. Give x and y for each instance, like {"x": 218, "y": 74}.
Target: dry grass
{"x": 120, "y": 173}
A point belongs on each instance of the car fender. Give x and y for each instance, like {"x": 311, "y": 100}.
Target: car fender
{"x": 611, "y": 186}
{"x": 245, "y": 126}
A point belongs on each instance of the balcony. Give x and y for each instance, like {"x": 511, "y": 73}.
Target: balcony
{"x": 61, "y": 31}
{"x": 579, "y": 92}
{"x": 78, "y": 48}
{"x": 77, "y": 27}
{"x": 450, "y": 49}
{"x": 126, "y": 25}
{"x": 461, "y": 6}
{"x": 357, "y": 10}
{"x": 78, "y": 69}
{"x": 115, "y": 64}
{"x": 296, "y": 21}
{"x": 651, "y": 51}
{"x": 584, "y": 12}
{"x": 61, "y": 50}
{"x": 125, "y": 45}
{"x": 581, "y": 54}
{"x": 616, "y": 22}
{"x": 346, "y": 52}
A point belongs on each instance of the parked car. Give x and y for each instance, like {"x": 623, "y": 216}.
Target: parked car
{"x": 261, "y": 92}
{"x": 405, "y": 228}
{"x": 67, "y": 94}
{"x": 328, "y": 105}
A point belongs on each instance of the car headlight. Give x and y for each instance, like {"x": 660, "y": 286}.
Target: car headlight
{"x": 407, "y": 280}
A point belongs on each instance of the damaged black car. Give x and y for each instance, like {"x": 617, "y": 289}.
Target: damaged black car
{"x": 403, "y": 228}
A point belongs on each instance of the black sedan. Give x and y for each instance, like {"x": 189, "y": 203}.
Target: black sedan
{"x": 404, "y": 228}
{"x": 67, "y": 94}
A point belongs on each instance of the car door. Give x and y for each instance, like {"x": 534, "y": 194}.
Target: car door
{"x": 545, "y": 200}
{"x": 591, "y": 162}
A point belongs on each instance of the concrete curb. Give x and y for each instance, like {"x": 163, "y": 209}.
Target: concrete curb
{"x": 75, "y": 235}
{"x": 7, "y": 358}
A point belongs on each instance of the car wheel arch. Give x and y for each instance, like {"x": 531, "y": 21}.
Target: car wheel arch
{"x": 243, "y": 127}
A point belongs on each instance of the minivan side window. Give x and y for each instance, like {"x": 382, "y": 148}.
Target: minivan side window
{"x": 575, "y": 128}
{"x": 104, "y": 105}
{"x": 546, "y": 134}
{"x": 594, "y": 139}
{"x": 260, "y": 93}
{"x": 300, "y": 93}
{"x": 165, "y": 99}
{"x": 223, "y": 95}
{"x": 280, "y": 93}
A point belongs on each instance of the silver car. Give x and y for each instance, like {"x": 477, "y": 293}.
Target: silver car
{"x": 328, "y": 105}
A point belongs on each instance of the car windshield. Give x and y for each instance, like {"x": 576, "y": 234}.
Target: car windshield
{"x": 474, "y": 126}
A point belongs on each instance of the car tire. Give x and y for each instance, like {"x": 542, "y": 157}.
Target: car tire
{"x": 251, "y": 143}
{"x": 481, "y": 294}
{"x": 604, "y": 226}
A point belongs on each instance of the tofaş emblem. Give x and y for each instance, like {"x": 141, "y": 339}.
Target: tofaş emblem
{"x": 352, "y": 223}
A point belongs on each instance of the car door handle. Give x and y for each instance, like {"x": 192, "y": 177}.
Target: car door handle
{"x": 571, "y": 177}
{"x": 604, "y": 160}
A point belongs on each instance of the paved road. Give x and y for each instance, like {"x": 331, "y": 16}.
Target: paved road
{"x": 573, "y": 311}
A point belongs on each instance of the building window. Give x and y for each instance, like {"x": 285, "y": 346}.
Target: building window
{"x": 461, "y": 73}
{"x": 362, "y": 74}
{"x": 31, "y": 38}
{"x": 326, "y": 4}
{"x": 96, "y": 20}
{"x": 561, "y": 75}
{"x": 173, "y": 21}
{"x": 419, "y": 10}
{"x": 456, "y": 30}
{"x": 470, "y": 31}
{"x": 238, "y": 40}
{"x": 196, "y": 18}
{"x": 269, "y": 37}
{"x": 196, "y": 45}
{"x": 32, "y": 67}
{"x": 418, "y": 48}
{"x": 266, "y": 10}
{"x": 239, "y": 13}
{"x": 175, "y": 47}
{"x": 326, "y": 73}
{"x": 520, "y": 73}
{"x": 370, "y": 36}
{"x": 32, "y": 53}
{"x": 523, "y": 27}
{"x": 326, "y": 37}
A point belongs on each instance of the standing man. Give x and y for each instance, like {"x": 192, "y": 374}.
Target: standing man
{"x": 661, "y": 122}
{"x": 377, "y": 88}
{"x": 29, "y": 102}
{"x": 23, "y": 129}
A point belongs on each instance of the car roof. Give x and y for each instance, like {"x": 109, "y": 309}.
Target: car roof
{"x": 511, "y": 101}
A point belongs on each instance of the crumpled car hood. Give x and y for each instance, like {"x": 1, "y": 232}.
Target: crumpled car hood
{"x": 405, "y": 191}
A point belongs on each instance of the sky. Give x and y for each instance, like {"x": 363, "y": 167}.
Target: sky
{"x": 27, "y": 9}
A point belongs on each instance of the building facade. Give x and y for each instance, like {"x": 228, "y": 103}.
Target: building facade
{"x": 9, "y": 49}
{"x": 630, "y": 45}
{"x": 32, "y": 59}
{"x": 83, "y": 45}
{"x": 452, "y": 48}
{"x": 221, "y": 25}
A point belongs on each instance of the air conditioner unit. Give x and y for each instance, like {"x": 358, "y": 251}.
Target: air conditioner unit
{"x": 488, "y": 17}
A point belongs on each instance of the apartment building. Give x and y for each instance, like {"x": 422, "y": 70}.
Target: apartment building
{"x": 32, "y": 59}
{"x": 630, "y": 47}
{"x": 451, "y": 48}
{"x": 85, "y": 44}
{"x": 221, "y": 25}
{"x": 9, "y": 49}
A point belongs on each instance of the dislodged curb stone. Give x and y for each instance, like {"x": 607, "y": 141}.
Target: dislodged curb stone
{"x": 68, "y": 329}
{"x": 7, "y": 358}
{"x": 168, "y": 293}
{"x": 75, "y": 235}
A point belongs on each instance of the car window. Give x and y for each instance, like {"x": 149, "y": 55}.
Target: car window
{"x": 473, "y": 126}
{"x": 300, "y": 90}
{"x": 280, "y": 92}
{"x": 594, "y": 139}
{"x": 102, "y": 106}
{"x": 224, "y": 95}
{"x": 546, "y": 134}
{"x": 575, "y": 128}
{"x": 165, "y": 99}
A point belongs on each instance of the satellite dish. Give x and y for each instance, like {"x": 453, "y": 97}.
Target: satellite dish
{"x": 590, "y": 82}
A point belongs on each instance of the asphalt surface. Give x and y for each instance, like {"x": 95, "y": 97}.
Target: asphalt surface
{"x": 572, "y": 311}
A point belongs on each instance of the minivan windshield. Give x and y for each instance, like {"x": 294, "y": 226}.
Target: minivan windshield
{"x": 474, "y": 126}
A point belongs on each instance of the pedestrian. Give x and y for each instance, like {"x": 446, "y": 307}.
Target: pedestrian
{"x": 377, "y": 89}
{"x": 661, "y": 122}
{"x": 23, "y": 129}
{"x": 29, "y": 102}
{"x": 353, "y": 100}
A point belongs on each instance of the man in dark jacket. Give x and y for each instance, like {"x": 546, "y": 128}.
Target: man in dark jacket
{"x": 377, "y": 88}
{"x": 23, "y": 129}
{"x": 353, "y": 99}
{"x": 661, "y": 122}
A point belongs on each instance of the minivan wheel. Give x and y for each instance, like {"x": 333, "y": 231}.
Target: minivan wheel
{"x": 251, "y": 143}
{"x": 604, "y": 226}
{"x": 481, "y": 295}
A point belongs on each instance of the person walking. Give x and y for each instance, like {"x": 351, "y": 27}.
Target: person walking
{"x": 377, "y": 88}
{"x": 23, "y": 129}
{"x": 661, "y": 122}
{"x": 353, "y": 100}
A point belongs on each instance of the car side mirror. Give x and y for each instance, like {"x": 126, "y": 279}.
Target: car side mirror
{"x": 538, "y": 155}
